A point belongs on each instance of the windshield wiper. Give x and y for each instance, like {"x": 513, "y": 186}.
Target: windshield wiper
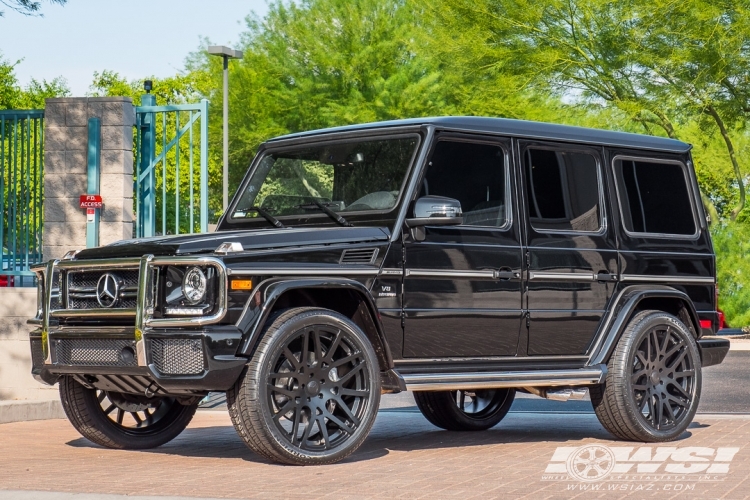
{"x": 330, "y": 213}
{"x": 263, "y": 213}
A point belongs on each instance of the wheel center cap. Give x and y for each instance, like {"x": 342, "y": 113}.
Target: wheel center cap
{"x": 313, "y": 387}
{"x": 655, "y": 378}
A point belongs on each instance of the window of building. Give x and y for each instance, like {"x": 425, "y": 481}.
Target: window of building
{"x": 473, "y": 174}
{"x": 654, "y": 197}
{"x": 562, "y": 189}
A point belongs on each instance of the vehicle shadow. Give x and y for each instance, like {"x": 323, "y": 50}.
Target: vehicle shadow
{"x": 405, "y": 431}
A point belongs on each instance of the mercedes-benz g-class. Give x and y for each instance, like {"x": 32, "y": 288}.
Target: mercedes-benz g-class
{"x": 464, "y": 259}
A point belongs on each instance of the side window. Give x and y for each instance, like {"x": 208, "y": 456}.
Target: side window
{"x": 473, "y": 174}
{"x": 654, "y": 197}
{"x": 562, "y": 188}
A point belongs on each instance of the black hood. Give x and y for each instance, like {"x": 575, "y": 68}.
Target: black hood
{"x": 255, "y": 239}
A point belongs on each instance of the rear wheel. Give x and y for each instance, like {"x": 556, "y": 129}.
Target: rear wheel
{"x": 465, "y": 410}
{"x": 123, "y": 421}
{"x": 653, "y": 382}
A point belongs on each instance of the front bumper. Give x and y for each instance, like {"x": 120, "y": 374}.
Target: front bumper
{"x": 713, "y": 351}
{"x": 177, "y": 361}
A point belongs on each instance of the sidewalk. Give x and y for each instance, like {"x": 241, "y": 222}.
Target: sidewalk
{"x": 405, "y": 457}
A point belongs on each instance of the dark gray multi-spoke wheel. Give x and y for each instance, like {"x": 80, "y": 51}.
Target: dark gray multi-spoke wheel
{"x": 123, "y": 421}
{"x": 653, "y": 385}
{"x": 463, "y": 410}
{"x": 310, "y": 394}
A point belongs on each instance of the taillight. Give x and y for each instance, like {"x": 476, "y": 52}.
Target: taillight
{"x": 706, "y": 323}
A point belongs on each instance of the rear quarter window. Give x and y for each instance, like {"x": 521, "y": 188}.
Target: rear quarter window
{"x": 654, "y": 197}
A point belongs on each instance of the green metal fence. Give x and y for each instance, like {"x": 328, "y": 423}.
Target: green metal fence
{"x": 21, "y": 194}
{"x": 171, "y": 166}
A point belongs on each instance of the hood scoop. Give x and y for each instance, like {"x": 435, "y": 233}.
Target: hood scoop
{"x": 359, "y": 256}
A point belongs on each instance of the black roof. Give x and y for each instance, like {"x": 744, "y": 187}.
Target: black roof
{"x": 523, "y": 128}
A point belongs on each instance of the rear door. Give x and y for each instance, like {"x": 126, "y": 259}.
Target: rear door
{"x": 571, "y": 253}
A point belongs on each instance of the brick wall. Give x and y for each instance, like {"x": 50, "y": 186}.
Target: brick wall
{"x": 65, "y": 174}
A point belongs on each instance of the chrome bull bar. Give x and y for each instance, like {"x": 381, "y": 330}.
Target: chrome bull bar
{"x": 143, "y": 313}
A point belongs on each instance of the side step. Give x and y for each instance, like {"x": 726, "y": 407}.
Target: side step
{"x": 589, "y": 375}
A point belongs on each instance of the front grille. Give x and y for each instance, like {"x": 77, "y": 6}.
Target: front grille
{"x": 177, "y": 356}
{"x": 82, "y": 289}
{"x": 37, "y": 353}
{"x": 96, "y": 352}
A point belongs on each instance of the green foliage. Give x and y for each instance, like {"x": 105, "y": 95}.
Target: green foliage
{"x": 323, "y": 63}
{"x": 13, "y": 96}
{"x": 182, "y": 88}
{"x": 28, "y": 7}
{"x": 732, "y": 246}
{"x": 173, "y": 173}
{"x": 678, "y": 69}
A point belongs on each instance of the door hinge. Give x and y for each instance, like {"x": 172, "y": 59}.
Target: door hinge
{"x": 528, "y": 319}
{"x": 527, "y": 259}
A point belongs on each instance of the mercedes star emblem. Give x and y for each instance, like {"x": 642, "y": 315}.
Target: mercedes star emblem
{"x": 108, "y": 290}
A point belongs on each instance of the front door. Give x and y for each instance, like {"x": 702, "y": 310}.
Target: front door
{"x": 462, "y": 286}
{"x": 571, "y": 254}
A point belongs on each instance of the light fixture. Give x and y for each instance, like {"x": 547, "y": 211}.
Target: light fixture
{"x": 194, "y": 285}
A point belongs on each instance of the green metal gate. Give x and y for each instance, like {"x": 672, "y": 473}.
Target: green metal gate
{"x": 21, "y": 194}
{"x": 171, "y": 166}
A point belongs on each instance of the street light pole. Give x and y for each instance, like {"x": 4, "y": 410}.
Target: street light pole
{"x": 226, "y": 53}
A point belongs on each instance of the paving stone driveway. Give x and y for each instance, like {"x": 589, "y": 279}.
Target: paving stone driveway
{"x": 405, "y": 457}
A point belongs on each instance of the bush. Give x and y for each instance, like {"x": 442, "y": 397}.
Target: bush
{"x": 732, "y": 247}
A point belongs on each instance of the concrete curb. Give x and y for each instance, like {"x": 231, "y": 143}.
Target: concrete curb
{"x": 19, "y": 411}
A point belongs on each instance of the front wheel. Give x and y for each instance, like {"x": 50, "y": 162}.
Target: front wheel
{"x": 123, "y": 421}
{"x": 653, "y": 382}
{"x": 475, "y": 410}
{"x": 310, "y": 394}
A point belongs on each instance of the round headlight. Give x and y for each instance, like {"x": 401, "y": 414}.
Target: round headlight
{"x": 194, "y": 285}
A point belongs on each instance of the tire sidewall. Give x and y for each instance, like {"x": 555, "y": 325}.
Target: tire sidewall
{"x": 487, "y": 421}
{"x": 88, "y": 415}
{"x": 625, "y": 363}
{"x": 289, "y": 328}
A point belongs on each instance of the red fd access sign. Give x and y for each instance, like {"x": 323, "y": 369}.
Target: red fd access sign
{"x": 91, "y": 201}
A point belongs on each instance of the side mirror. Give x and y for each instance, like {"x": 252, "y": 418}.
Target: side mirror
{"x": 434, "y": 211}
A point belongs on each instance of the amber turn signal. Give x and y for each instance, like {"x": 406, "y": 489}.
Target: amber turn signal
{"x": 242, "y": 284}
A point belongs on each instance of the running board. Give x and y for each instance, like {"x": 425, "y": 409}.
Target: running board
{"x": 590, "y": 375}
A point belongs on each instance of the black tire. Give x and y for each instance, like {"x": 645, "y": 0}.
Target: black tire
{"x": 465, "y": 410}
{"x": 653, "y": 384}
{"x": 334, "y": 390}
{"x": 123, "y": 421}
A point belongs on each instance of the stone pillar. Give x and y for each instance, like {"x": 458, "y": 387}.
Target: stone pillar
{"x": 65, "y": 170}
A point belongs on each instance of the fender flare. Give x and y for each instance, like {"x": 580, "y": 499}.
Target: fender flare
{"x": 622, "y": 310}
{"x": 267, "y": 293}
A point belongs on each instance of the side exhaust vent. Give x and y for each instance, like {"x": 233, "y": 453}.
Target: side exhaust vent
{"x": 359, "y": 256}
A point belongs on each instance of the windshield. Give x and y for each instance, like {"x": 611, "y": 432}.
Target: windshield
{"x": 346, "y": 177}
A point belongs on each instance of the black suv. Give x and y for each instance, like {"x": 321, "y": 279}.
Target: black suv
{"x": 463, "y": 259}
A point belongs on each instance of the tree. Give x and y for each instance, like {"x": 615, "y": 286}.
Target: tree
{"x": 28, "y": 7}
{"x": 13, "y": 96}
{"x": 662, "y": 65}
{"x": 322, "y": 63}
{"x": 183, "y": 88}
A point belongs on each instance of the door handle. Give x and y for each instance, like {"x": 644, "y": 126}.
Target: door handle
{"x": 605, "y": 277}
{"x": 507, "y": 275}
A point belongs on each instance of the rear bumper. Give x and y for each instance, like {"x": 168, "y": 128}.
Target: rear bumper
{"x": 713, "y": 351}
{"x": 215, "y": 367}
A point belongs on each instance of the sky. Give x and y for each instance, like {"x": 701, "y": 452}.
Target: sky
{"x": 135, "y": 38}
